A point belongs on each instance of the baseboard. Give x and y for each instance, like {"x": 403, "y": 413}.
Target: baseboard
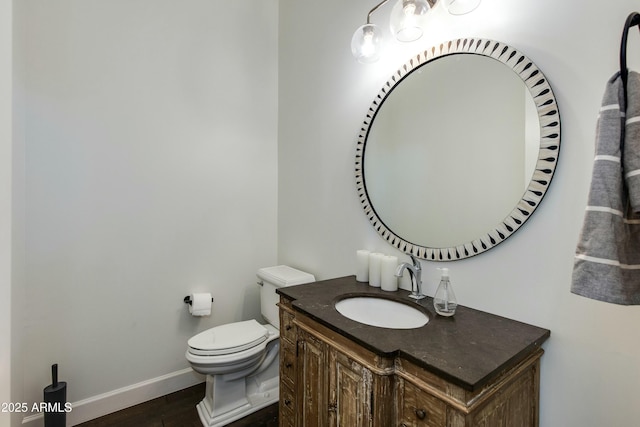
{"x": 106, "y": 403}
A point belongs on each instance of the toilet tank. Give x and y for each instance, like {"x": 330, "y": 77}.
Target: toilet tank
{"x": 272, "y": 278}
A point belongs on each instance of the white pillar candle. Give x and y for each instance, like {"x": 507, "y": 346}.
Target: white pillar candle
{"x": 375, "y": 261}
{"x": 362, "y": 265}
{"x": 389, "y": 281}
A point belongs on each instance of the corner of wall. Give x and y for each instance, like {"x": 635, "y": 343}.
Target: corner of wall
{"x": 6, "y": 332}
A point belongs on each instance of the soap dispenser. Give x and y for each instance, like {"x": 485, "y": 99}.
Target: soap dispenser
{"x": 444, "y": 301}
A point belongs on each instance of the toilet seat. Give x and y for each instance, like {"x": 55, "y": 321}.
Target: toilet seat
{"x": 228, "y": 339}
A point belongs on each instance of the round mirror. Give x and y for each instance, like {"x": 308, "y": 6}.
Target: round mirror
{"x": 458, "y": 149}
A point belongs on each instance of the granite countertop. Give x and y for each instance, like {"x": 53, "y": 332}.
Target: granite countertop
{"x": 468, "y": 349}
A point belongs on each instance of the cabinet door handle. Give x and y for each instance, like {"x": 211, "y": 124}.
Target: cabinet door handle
{"x": 288, "y": 364}
{"x": 288, "y": 327}
{"x": 333, "y": 407}
{"x": 421, "y": 414}
{"x": 287, "y": 402}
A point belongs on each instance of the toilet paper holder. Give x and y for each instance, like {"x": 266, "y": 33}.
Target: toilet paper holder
{"x": 187, "y": 300}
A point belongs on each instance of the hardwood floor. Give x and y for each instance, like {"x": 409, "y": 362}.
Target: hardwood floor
{"x": 177, "y": 410}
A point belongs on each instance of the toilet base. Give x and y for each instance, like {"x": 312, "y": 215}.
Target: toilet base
{"x": 236, "y": 398}
{"x": 253, "y": 405}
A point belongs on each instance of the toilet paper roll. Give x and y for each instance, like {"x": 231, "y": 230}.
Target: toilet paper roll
{"x": 200, "y": 304}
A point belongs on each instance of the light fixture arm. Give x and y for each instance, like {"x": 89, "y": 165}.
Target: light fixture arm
{"x": 376, "y": 7}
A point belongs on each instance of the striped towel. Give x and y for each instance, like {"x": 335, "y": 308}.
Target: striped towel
{"x": 607, "y": 261}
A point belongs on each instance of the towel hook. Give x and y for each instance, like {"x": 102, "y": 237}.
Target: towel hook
{"x": 632, "y": 20}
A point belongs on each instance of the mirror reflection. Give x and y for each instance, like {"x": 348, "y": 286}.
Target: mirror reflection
{"x": 458, "y": 149}
{"x": 451, "y": 150}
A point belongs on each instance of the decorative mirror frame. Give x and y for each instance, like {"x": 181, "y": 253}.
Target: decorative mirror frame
{"x": 549, "y": 120}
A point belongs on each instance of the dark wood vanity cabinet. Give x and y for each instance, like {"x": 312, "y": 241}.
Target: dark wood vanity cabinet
{"x": 328, "y": 380}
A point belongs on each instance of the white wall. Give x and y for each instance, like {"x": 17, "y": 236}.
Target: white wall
{"x": 6, "y": 142}
{"x": 151, "y": 172}
{"x": 590, "y": 371}
{"x": 18, "y": 226}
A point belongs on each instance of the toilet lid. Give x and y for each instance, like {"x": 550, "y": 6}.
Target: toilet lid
{"x": 229, "y": 338}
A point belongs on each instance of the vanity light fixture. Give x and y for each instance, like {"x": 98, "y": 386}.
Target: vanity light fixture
{"x": 407, "y": 24}
{"x": 408, "y": 18}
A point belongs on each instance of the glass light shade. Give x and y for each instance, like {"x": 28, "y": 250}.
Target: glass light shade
{"x": 460, "y": 7}
{"x": 366, "y": 43}
{"x": 408, "y": 19}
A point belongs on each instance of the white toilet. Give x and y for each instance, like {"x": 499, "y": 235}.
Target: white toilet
{"x": 240, "y": 359}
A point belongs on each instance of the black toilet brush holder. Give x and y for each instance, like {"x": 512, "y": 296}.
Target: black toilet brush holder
{"x": 55, "y": 397}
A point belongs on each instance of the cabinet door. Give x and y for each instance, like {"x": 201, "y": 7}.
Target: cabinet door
{"x": 350, "y": 392}
{"x": 312, "y": 381}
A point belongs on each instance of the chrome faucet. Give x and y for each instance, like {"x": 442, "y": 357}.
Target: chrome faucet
{"x": 415, "y": 272}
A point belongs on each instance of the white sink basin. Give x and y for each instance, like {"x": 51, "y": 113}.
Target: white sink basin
{"x": 381, "y": 312}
